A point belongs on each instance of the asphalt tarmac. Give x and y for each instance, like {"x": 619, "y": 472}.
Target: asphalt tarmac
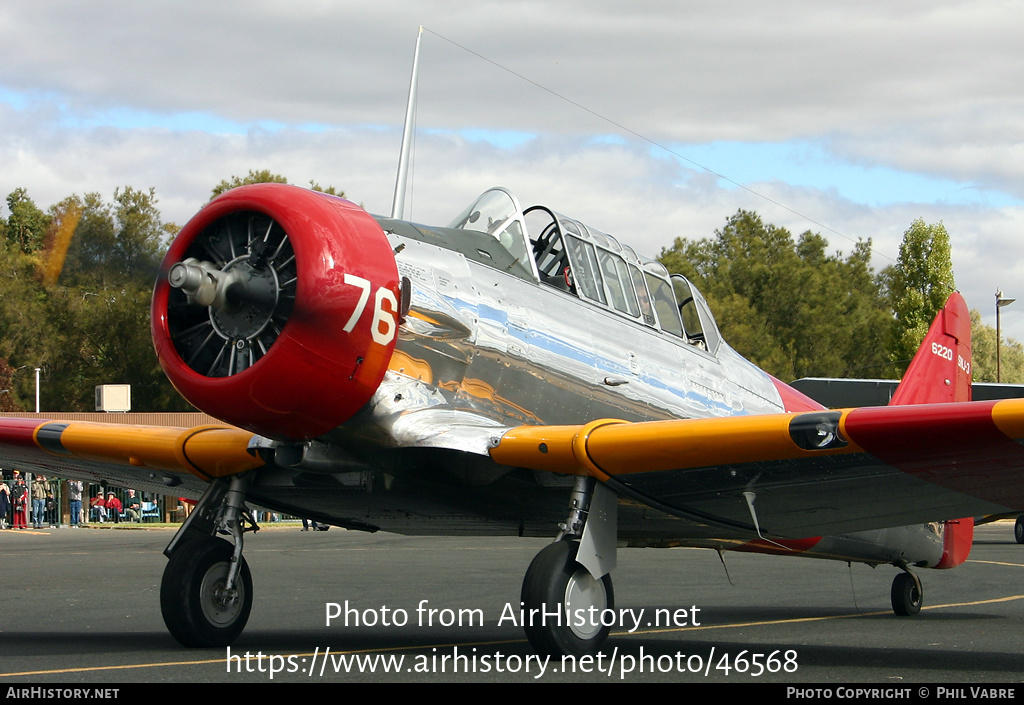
{"x": 82, "y": 606}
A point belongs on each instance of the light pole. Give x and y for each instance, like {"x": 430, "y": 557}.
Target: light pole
{"x": 1000, "y": 302}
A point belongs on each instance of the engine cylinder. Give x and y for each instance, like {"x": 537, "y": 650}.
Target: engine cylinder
{"x": 282, "y": 311}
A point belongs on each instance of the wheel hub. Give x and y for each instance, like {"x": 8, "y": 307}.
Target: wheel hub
{"x": 582, "y": 593}
{"x": 220, "y": 605}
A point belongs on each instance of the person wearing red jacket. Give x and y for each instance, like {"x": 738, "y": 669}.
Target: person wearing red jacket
{"x": 19, "y": 498}
{"x": 98, "y": 506}
{"x": 113, "y": 507}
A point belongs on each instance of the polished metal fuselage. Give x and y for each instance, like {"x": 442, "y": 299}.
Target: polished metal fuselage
{"x": 494, "y": 350}
{"x": 484, "y": 349}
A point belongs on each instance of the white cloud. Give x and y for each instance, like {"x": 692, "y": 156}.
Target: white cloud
{"x": 172, "y": 95}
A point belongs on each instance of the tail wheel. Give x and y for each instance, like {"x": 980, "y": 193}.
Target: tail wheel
{"x": 555, "y": 584}
{"x": 196, "y": 606}
{"x": 906, "y": 595}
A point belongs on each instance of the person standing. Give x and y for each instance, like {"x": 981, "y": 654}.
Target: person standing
{"x": 19, "y": 497}
{"x": 5, "y": 502}
{"x": 52, "y": 520}
{"x": 38, "y": 501}
{"x": 74, "y": 501}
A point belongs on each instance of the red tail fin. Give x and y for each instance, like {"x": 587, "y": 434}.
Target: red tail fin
{"x": 941, "y": 369}
{"x": 941, "y": 372}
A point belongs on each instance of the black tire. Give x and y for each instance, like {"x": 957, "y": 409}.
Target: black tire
{"x": 1018, "y": 529}
{"x": 906, "y": 597}
{"x": 194, "y": 614}
{"x": 556, "y": 583}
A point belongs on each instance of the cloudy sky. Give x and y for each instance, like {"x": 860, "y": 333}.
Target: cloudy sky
{"x": 648, "y": 120}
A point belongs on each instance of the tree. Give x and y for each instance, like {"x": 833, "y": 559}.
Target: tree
{"x": 138, "y": 243}
{"x": 983, "y": 354}
{"x": 330, "y": 190}
{"x": 785, "y": 303}
{"x": 253, "y": 177}
{"x": 89, "y": 260}
{"x": 118, "y": 243}
{"x": 26, "y": 226}
{"x": 919, "y": 284}
{"x": 91, "y": 326}
{"x": 267, "y": 177}
{"x": 8, "y": 396}
{"x": 64, "y": 218}
{"x": 23, "y": 319}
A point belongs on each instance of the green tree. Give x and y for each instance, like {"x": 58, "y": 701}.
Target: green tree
{"x": 8, "y": 396}
{"x": 139, "y": 238}
{"x": 89, "y": 260}
{"x": 919, "y": 284}
{"x": 253, "y": 177}
{"x": 267, "y": 177}
{"x": 107, "y": 332}
{"x": 64, "y": 217}
{"x": 22, "y": 313}
{"x": 26, "y": 225}
{"x": 330, "y": 190}
{"x": 786, "y": 304}
{"x": 92, "y": 326}
{"x": 983, "y": 353}
{"x": 116, "y": 243}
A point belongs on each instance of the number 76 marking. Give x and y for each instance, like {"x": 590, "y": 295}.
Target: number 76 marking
{"x": 383, "y": 327}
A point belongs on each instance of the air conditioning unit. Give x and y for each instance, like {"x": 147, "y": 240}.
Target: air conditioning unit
{"x": 114, "y": 397}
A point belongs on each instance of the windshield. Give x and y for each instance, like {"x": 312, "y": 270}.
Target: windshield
{"x": 487, "y": 212}
{"x": 498, "y": 214}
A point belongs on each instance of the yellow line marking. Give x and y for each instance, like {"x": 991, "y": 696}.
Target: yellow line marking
{"x": 421, "y": 647}
{"x": 798, "y": 620}
{"x": 1012, "y": 565}
{"x": 89, "y": 669}
{"x": 222, "y": 661}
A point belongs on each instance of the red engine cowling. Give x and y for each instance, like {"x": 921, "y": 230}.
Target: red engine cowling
{"x": 277, "y": 310}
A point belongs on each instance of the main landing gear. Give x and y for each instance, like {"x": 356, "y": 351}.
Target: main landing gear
{"x": 206, "y": 591}
{"x": 1018, "y": 529}
{"x": 564, "y": 602}
{"x": 907, "y": 594}
{"x": 564, "y": 592}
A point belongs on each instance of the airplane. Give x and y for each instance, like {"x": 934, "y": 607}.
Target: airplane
{"x": 514, "y": 373}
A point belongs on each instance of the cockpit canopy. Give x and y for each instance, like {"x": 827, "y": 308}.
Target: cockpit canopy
{"x": 567, "y": 255}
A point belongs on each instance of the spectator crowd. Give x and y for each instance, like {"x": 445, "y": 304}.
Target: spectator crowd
{"x": 37, "y": 502}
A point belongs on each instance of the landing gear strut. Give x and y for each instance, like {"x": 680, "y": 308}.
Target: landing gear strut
{"x": 563, "y": 599}
{"x": 206, "y": 591}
